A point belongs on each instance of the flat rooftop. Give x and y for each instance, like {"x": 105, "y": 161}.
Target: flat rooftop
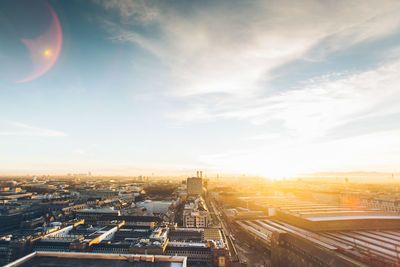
{"x": 98, "y": 211}
{"x": 364, "y": 246}
{"x": 353, "y": 217}
{"x": 342, "y": 221}
{"x": 75, "y": 259}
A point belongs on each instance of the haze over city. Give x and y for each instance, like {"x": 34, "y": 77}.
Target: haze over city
{"x": 269, "y": 88}
{"x": 199, "y": 133}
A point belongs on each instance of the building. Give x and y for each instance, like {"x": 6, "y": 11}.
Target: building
{"x": 101, "y": 193}
{"x": 74, "y": 208}
{"x": 93, "y": 216}
{"x": 196, "y": 218}
{"x": 194, "y": 186}
{"x": 311, "y": 234}
{"x": 195, "y": 214}
{"x": 204, "y": 246}
{"x": 201, "y": 246}
{"x": 211, "y": 234}
{"x": 197, "y": 253}
{"x": 74, "y": 259}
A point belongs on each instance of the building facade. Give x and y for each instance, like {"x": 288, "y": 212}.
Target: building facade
{"x": 194, "y": 186}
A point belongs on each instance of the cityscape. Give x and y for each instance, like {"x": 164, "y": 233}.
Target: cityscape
{"x": 200, "y": 133}
{"x": 81, "y": 220}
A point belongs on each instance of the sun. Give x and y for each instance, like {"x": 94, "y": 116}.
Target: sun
{"x": 47, "y": 53}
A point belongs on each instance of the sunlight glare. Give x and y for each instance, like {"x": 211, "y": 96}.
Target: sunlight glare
{"x": 47, "y": 53}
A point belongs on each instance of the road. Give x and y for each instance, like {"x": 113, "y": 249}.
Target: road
{"x": 246, "y": 253}
{"x": 251, "y": 255}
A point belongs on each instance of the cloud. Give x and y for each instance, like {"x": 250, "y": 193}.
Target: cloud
{"x": 79, "y": 151}
{"x": 312, "y": 115}
{"x": 20, "y": 129}
{"x": 369, "y": 152}
{"x": 222, "y": 57}
{"x": 327, "y": 102}
{"x": 232, "y": 48}
{"x": 142, "y": 11}
{"x": 229, "y": 50}
{"x": 265, "y": 136}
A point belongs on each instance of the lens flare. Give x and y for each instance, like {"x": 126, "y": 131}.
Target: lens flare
{"x": 47, "y": 53}
{"x": 45, "y": 49}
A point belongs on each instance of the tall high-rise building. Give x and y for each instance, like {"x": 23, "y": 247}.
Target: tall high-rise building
{"x": 194, "y": 186}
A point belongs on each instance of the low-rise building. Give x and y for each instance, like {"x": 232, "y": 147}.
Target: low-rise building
{"x": 73, "y": 259}
{"x": 195, "y": 213}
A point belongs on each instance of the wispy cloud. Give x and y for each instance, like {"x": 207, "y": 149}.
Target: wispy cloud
{"x": 21, "y": 129}
{"x": 326, "y": 103}
{"x": 138, "y": 10}
{"x": 232, "y": 48}
{"x": 222, "y": 58}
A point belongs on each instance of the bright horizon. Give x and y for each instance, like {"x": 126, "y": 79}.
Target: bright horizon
{"x": 268, "y": 88}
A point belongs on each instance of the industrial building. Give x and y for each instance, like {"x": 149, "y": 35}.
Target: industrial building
{"x": 324, "y": 235}
{"x": 201, "y": 246}
{"x": 205, "y": 246}
{"x": 106, "y": 216}
{"x": 76, "y": 259}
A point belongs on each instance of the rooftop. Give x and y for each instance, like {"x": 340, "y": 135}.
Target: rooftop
{"x": 99, "y": 211}
{"x": 364, "y": 246}
{"x": 353, "y": 217}
{"x": 75, "y": 259}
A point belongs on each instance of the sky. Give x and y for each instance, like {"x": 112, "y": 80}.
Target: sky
{"x": 271, "y": 88}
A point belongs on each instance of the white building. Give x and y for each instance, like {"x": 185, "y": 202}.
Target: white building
{"x": 195, "y": 214}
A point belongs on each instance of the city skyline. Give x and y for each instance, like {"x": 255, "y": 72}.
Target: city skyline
{"x": 269, "y": 88}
